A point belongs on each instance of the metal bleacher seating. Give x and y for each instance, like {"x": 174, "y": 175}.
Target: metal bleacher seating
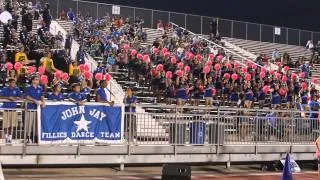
{"x": 257, "y": 47}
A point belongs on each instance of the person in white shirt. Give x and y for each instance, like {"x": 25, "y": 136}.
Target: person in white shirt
{"x": 276, "y": 55}
{"x": 310, "y": 45}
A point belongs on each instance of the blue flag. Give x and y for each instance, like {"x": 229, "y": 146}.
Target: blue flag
{"x": 287, "y": 174}
{"x": 72, "y": 123}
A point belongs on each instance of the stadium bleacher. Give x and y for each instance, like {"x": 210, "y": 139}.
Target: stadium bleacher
{"x": 246, "y": 104}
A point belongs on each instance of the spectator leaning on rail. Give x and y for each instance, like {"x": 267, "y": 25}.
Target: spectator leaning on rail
{"x": 76, "y": 96}
{"x": 11, "y": 93}
{"x": 102, "y": 93}
{"x": 56, "y": 95}
{"x": 34, "y": 94}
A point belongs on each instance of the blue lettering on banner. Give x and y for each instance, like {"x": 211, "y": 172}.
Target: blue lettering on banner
{"x": 77, "y": 123}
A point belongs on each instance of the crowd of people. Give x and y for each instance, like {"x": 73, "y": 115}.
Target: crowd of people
{"x": 182, "y": 67}
{"x": 178, "y": 67}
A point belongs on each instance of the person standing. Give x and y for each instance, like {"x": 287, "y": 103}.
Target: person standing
{"x": 70, "y": 15}
{"x": 11, "y": 93}
{"x": 47, "y": 18}
{"x": 35, "y": 97}
{"x": 130, "y": 122}
{"x": 102, "y": 93}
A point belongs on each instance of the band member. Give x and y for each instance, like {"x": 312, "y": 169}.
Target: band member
{"x": 11, "y": 93}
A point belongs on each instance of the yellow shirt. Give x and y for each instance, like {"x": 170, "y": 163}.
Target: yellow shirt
{"x": 48, "y": 64}
{"x": 73, "y": 70}
{"x": 21, "y": 57}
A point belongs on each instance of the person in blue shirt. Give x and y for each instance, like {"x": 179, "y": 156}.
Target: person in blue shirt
{"x": 261, "y": 98}
{"x": 76, "y": 96}
{"x": 111, "y": 60}
{"x": 34, "y": 93}
{"x": 102, "y": 93}
{"x": 70, "y": 15}
{"x": 248, "y": 98}
{"x": 86, "y": 88}
{"x": 11, "y": 93}
{"x": 56, "y": 95}
{"x": 314, "y": 112}
{"x": 130, "y": 122}
{"x": 130, "y": 100}
{"x": 81, "y": 54}
{"x": 34, "y": 96}
{"x": 234, "y": 97}
{"x": 275, "y": 99}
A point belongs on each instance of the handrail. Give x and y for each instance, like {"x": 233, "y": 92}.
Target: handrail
{"x": 215, "y": 44}
{"x": 162, "y": 106}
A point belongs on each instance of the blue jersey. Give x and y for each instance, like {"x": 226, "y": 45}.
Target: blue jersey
{"x": 276, "y": 99}
{"x": 128, "y": 101}
{"x": 77, "y": 96}
{"x": 35, "y": 93}
{"x": 314, "y": 107}
{"x": 10, "y": 92}
{"x": 54, "y": 97}
{"x": 249, "y": 96}
{"x": 261, "y": 95}
{"x": 86, "y": 90}
{"x": 102, "y": 93}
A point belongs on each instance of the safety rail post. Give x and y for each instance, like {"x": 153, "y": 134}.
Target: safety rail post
{"x": 129, "y": 134}
{"x": 257, "y": 125}
{"x": 292, "y": 129}
{"x": 175, "y": 132}
{"x": 218, "y": 132}
{"x": 24, "y": 151}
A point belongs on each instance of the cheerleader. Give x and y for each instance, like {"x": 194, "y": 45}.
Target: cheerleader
{"x": 225, "y": 90}
{"x": 248, "y": 98}
{"x": 197, "y": 90}
{"x": 234, "y": 97}
{"x": 275, "y": 99}
{"x": 170, "y": 91}
{"x": 208, "y": 95}
{"x": 181, "y": 94}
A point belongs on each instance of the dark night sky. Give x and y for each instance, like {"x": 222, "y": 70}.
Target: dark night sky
{"x": 301, "y": 14}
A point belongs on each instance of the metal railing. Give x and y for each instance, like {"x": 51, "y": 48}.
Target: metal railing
{"x": 195, "y": 23}
{"x": 223, "y": 126}
{"x": 189, "y": 125}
